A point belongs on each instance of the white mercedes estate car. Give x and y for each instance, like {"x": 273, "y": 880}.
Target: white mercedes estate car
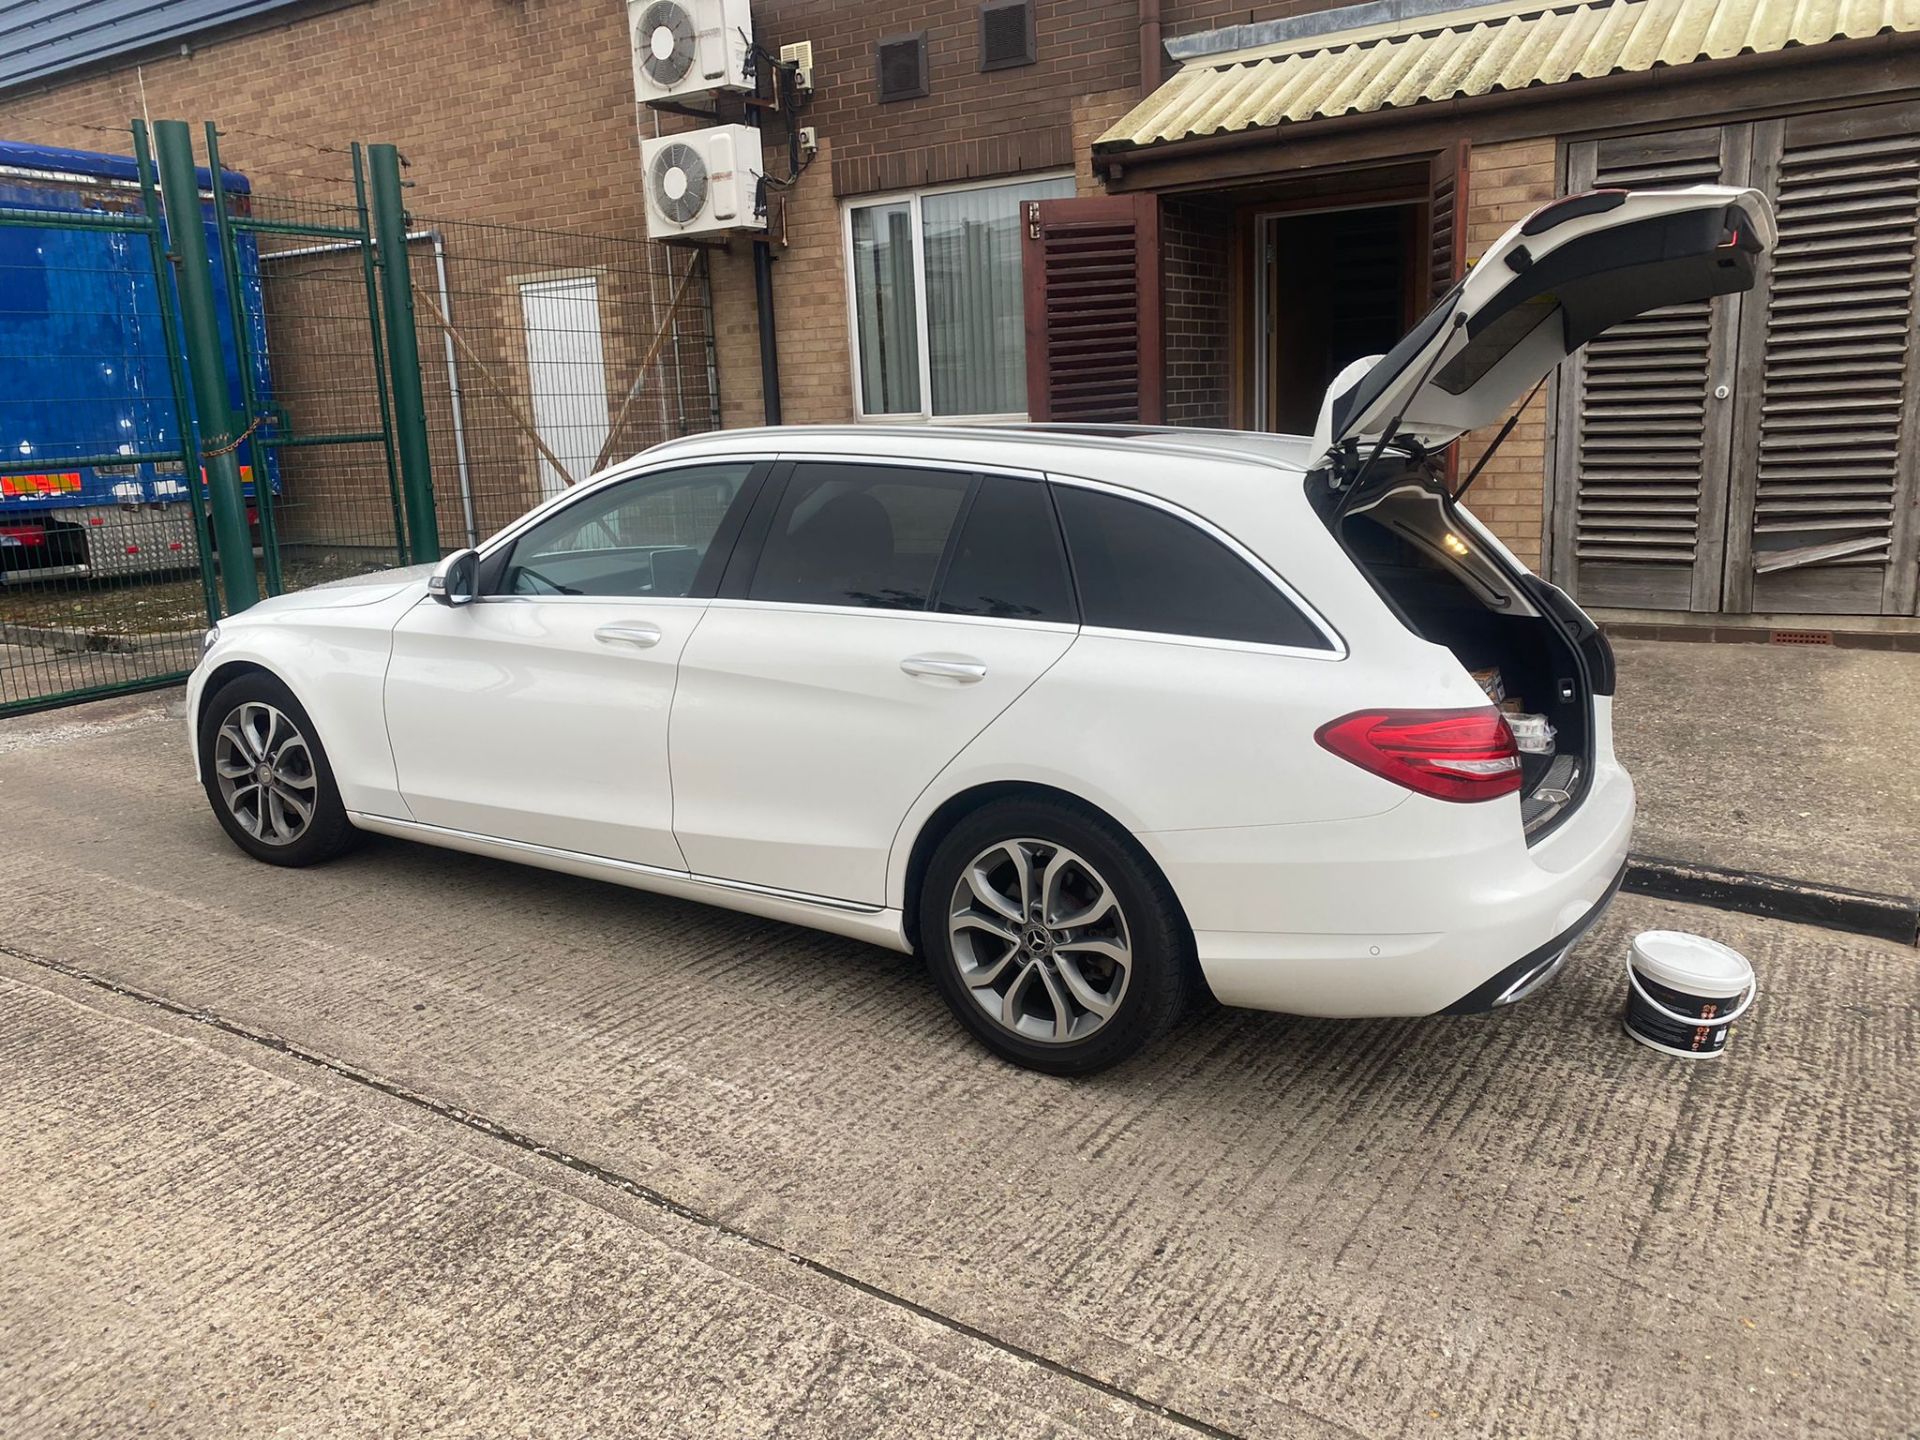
{"x": 1088, "y": 718}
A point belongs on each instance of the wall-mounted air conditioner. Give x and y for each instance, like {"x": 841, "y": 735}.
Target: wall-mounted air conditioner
{"x": 686, "y": 48}
{"x": 701, "y": 182}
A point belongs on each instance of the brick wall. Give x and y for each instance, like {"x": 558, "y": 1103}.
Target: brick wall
{"x": 523, "y": 113}
{"x": 1504, "y": 183}
{"x": 1193, "y": 245}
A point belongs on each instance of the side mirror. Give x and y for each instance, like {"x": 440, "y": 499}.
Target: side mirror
{"x": 456, "y": 579}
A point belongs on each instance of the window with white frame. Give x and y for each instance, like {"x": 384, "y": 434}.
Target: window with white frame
{"x": 939, "y": 329}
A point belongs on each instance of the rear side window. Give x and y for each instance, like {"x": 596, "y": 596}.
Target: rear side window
{"x": 1008, "y": 561}
{"x": 861, "y": 535}
{"x": 1140, "y": 568}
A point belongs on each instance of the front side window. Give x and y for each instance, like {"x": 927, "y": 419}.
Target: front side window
{"x": 939, "y": 319}
{"x": 1141, "y": 568}
{"x": 869, "y": 536}
{"x": 644, "y": 538}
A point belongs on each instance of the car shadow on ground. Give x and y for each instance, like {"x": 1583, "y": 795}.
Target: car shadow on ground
{"x": 1576, "y": 1017}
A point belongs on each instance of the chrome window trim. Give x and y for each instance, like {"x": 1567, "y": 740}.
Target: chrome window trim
{"x": 682, "y": 601}
{"x": 879, "y": 612}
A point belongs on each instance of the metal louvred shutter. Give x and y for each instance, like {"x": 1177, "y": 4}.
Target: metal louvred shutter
{"x": 1825, "y": 465}
{"x": 1091, "y": 268}
{"x": 1641, "y": 507}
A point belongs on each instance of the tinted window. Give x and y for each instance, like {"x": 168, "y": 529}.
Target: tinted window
{"x": 1008, "y": 561}
{"x": 1140, "y": 568}
{"x": 645, "y": 537}
{"x": 863, "y": 535}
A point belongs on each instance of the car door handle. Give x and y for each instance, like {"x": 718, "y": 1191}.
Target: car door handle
{"x": 641, "y": 635}
{"x": 965, "y": 671}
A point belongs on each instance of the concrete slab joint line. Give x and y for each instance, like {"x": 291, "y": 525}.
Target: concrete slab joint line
{"x": 634, "y": 1189}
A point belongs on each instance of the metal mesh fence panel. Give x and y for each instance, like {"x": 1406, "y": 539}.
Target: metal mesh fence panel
{"x": 546, "y": 355}
{"x": 101, "y": 586}
{"x": 334, "y": 506}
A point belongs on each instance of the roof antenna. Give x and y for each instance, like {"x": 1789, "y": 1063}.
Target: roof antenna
{"x": 1393, "y": 426}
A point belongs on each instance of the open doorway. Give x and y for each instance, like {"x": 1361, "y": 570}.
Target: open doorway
{"x": 1332, "y": 285}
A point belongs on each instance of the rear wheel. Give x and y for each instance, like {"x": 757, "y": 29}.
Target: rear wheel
{"x": 1053, "y": 940}
{"x": 267, "y": 777}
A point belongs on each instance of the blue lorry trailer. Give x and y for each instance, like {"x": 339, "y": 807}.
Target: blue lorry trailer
{"x": 84, "y": 375}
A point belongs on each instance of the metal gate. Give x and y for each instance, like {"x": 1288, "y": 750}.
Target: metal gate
{"x": 195, "y": 366}
{"x": 141, "y": 475}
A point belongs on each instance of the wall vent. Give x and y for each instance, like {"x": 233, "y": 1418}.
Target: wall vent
{"x": 901, "y": 63}
{"x": 1802, "y": 637}
{"x": 1006, "y": 34}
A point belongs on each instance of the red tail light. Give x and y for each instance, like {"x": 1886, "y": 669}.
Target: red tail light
{"x": 1448, "y": 754}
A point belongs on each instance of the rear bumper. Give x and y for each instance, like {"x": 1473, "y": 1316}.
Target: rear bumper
{"x": 1421, "y": 910}
{"x": 1534, "y": 969}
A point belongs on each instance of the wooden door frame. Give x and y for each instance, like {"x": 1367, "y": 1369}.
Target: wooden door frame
{"x": 1246, "y": 284}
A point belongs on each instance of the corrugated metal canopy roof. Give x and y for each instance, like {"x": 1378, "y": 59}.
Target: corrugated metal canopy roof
{"x": 1480, "y": 51}
{"x": 39, "y": 38}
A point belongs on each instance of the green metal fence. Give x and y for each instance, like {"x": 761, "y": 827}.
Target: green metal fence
{"x": 301, "y": 376}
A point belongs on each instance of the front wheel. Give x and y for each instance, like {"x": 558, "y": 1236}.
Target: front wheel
{"x": 1052, "y": 938}
{"x": 267, "y": 776}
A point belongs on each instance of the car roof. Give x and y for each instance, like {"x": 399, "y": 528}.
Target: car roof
{"x": 1096, "y": 451}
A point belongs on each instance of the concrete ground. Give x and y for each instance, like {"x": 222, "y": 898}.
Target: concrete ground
{"x": 418, "y": 1142}
{"x": 1788, "y": 760}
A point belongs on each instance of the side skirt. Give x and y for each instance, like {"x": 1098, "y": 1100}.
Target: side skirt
{"x": 874, "y": 924}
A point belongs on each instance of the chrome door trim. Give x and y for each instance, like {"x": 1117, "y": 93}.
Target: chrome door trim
{"x": 644, "y": 636}
{"x": 392, "y": 823}
{"x": 962, "y": 670}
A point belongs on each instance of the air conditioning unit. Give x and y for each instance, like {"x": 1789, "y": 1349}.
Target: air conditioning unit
{"x": 687, "y": 48}
{"x": 701, "y": 182}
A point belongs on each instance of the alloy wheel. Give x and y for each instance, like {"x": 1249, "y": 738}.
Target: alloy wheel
{"x": 266, "y": 775}
{"x": 1040, "y": 941}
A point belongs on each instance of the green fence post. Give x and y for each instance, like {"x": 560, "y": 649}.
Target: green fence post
{"x": 237, "y": 317}
{"x": 403, "y": 353}
{"x": 371, "y": 279}
{"x": 186, "y": 229}
{"x": 176, "y": 372}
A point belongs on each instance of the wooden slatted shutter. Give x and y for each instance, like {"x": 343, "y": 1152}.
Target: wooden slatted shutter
{"x": 1643, "y": 435}
{"x": 1092, "y": 276}
{"x": 1446, "y": 219}
{"x": 1825, "y": 469}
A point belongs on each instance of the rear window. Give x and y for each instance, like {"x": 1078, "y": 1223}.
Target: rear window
{"x": 869, "y": 536}
{"x": 1008, "y": 561}
{"x": 1140, "y": 568}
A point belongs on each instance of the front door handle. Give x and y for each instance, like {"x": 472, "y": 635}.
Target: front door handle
{"x": 965, "y": 671}
{"x": 641, "y": 635}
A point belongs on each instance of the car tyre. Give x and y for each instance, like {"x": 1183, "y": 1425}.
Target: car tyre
{"x": 1053, "y": 937}
{"x": 267, "y": 776}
